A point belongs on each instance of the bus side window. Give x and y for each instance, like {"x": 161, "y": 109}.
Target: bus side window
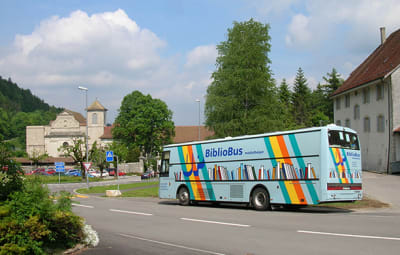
{"x": 165, "y": 164}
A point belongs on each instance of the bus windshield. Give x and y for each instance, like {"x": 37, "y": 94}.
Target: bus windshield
{"x": 344, "y": 140}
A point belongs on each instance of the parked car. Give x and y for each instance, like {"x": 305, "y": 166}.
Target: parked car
{"x": 93, "y": 173}
{"x": 147, "y": 175}
{"x": 105, "y": 173}
{"x": 73, "y": 172}
{"x": 51, "y": 171}
{"x": 36, "y": 171}
{"x": 42, "y": 173}
{"x": 112, "y": 173}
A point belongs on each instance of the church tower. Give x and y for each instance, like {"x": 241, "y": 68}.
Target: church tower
{"x": 96, "y": 120}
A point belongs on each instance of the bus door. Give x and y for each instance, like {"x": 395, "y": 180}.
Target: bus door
{"x": 167, "y": 184}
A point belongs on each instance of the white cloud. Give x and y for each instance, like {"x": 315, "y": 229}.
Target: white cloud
{"x": 299, "y": 31}
{"x": 322, "y": 19}
{"x": 201, "y": 55}
{"x": 111, "y": 55}
{"x": 267, "y": 8}
{"x": 82, "y": 47}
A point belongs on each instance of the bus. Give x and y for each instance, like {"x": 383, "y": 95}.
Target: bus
{"x": 300, "y": 167}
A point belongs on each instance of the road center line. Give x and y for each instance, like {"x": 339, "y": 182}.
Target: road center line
{"x": 130, "y": 212}
{"x": 86, "y": 206}
{"x": 349, "y": 235}
{"x": 216, "y": 222}
{"x": 171, "y": 244}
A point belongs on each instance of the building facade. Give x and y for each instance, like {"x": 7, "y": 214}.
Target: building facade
{"x": 65, "y": 128}
{"x": 369, "y": 102}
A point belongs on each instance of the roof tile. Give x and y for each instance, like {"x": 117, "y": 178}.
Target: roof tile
{"x": 382, "y": 61}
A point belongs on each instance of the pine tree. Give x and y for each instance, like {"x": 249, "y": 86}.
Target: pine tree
{"x": 333, "y": 82}
{"x": 301, "y": 100}
{"x": 285, "y": 107}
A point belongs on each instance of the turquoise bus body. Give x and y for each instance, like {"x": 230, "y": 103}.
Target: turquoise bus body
{"x": 300, "y": 167}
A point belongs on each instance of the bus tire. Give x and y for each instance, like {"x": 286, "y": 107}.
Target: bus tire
{"x": 183, "y": 196}
{"x": 260, "y": 199}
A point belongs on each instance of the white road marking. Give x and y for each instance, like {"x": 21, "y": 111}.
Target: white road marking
{"x": 130, "y": 212}
{"x": 216, "y": 222}
{"x": 171, "y": 244}
{"x": 349, "y": 235}
{"x": 86, "y": 206}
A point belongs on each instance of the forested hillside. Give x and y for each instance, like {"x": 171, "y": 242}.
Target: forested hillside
{"x": 20, "y": 108}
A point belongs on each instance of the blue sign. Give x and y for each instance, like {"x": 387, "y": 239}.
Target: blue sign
{"x": 109, "y": 156}
{"x": 60, "y": 167}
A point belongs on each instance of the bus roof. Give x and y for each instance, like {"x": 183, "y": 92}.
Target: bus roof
{"x": 303, "y": 130}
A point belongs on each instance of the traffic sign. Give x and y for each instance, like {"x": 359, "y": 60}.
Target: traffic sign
{"x": 87, "y": 165}
{"x": 109, "y": 156}
{"x": 60, "y": 167}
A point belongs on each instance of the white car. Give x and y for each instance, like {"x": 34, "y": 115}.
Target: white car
{"x": 93, "y": 173}
{"x": 105, "y": 173}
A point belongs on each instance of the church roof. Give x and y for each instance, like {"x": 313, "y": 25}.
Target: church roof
{"x": 380, "y": 63}
{"x": 191, "y": 133}
{"x": 78, "y": 117}
{"x": 107, "y": 132}
{"x": 96, "y": 106}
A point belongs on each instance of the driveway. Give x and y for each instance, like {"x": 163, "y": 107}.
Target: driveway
{"x": 382, "y": 187}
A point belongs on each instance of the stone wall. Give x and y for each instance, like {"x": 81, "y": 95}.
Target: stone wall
{"x": 135, "y": 167}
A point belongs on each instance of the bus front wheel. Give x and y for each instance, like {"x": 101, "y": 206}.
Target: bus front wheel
{"x": 183, "y": 196}
{"x": 260, "y": 199}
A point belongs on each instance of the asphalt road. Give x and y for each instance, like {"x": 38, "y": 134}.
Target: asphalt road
{"x": 153, "y": 226}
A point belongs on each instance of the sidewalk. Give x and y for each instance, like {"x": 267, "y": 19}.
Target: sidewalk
{"x": 385, "y": 188}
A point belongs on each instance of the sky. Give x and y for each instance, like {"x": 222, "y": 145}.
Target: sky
{"x": 167, "y": 48}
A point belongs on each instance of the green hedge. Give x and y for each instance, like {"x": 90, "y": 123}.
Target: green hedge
{"x": 31, "y": 223}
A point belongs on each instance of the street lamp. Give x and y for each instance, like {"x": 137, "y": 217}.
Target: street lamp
{"x": 198, "y": 101}
{"x": 87, "y": 133}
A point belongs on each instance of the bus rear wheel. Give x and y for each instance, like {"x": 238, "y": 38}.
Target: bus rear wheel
{"x": 260, "y": 199}
{"x": 183, "y": 196}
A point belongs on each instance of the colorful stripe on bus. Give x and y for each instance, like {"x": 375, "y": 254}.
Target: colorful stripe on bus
{"x": 292, "y": 190}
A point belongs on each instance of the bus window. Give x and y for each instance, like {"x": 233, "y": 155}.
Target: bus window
{"x": 341, "y": 139}
{"x": 165, "y": 164}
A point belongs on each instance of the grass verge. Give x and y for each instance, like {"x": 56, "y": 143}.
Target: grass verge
{"x": 146, "y": 192}
{"x": 102, "y": 189}
{"x": 366, "y": 202}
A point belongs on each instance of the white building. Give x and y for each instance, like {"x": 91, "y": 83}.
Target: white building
{"x": 67, "y": 126}
{"x": 369, "y": 102}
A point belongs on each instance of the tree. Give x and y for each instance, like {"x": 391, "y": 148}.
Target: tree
{"x": 242, "y": 96}
{"x": 10, "y": 173}
{"x": 36, "y": 156}
{"x": 319, "y": 107}
{"x": 5, "y": 133}
{"x": 301, "y": 100}
{"x": 77, "y": 151}
{"x": 125, "y": 153}
{"x": 144, "y": 122}
{"x": 97, "y": 155}
{"x": 334, "y": 81}
{"x": 285, "y": 107}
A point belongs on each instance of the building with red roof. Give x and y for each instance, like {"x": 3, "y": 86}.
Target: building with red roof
{"x": 369, "y": 102}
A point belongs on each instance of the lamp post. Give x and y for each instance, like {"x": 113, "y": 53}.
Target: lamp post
{"x": 87, "y": 133}
{"x": 198, "y": 101}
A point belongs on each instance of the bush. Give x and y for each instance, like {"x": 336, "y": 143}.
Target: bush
{"x": 66, "y": 229}
{"x": 30, "y": 223}
{"x": 10, "y": 179}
